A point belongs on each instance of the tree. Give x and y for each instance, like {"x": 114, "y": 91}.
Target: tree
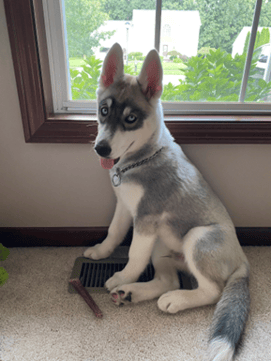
{"x": 222, "y": 21}
{"x": 83, "y": 17}
{"x": 179, "y": 5}
{"x": 265, "y": 14}
{"x": 265, "y": 36}
{"x": 123, "y": 9}
{"x": 262, "y": 37}
{"x": 245, "y": 50}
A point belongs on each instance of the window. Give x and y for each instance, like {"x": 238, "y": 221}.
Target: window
{"x": 167, "y": 30}
{"x": 165, "y": 49}
{"x": 199, "y": 64}
{"x": 45, "y": 122}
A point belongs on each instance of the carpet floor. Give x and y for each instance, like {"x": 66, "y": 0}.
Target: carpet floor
{"x": 40, "y": 320}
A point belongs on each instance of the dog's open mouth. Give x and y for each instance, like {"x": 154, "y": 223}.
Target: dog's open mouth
{"x": 108, "y": 163}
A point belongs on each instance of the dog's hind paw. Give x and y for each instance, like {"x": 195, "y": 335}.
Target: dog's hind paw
{"x": 170, "y": 302}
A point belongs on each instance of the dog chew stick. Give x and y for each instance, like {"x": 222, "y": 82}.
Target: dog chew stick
{"x": 76, "y": 283}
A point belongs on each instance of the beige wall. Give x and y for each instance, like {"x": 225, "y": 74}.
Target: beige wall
{"x": 62, "y": 185}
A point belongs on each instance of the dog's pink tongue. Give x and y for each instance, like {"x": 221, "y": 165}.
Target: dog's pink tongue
{"x": 107, "y": 163}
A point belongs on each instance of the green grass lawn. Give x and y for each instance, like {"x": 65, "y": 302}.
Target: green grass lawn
{"x": 76, "y": 62}
{"x": 169, "y": 68}
{"x": 173, "y": 68}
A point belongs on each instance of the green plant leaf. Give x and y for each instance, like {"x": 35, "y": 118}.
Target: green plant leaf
{"x": 3, "y": 276}
{"x": 4, "y": 252}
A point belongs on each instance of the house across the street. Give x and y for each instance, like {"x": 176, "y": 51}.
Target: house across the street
{"x": 179, "y": 31}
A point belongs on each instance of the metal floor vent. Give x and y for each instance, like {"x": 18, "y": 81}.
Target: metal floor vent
{"x": 93, "y": 274}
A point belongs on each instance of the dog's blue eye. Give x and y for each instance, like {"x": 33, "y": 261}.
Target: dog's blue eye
{"x": 104, "y": 111}
{"x": 131, "y": 118}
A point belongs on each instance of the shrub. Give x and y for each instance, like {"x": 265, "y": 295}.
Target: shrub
{"x": 174, "y": 53}
{"x": 129, "y": 69}
{"x": 84, "y": 81}
{"x": 205, "y": 50}
{"x": 184, "y": 58}
{"x": 135, "y": 55}
{"x": 216, "y": 77}
{"x": 177, "y": 60}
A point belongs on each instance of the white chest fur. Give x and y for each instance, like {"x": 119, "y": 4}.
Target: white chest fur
{"x": 130, "y": 195}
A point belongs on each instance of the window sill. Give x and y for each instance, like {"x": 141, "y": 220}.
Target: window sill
{"x": 72, "y": 128}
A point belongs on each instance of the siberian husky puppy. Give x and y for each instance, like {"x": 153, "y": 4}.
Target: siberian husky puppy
{"x": 178, "y": 222}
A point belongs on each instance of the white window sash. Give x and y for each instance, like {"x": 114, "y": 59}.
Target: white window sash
{"x": 59, "y": 65}
{"x": 57, "y": 52}
{"x": 252, "y": 39}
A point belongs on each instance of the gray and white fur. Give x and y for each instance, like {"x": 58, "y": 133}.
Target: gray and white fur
{"x": 178, "y": 222}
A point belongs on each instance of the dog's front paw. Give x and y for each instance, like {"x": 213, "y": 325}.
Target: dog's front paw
{"x": 97, "y": 252}
{"x": 116, "y": 280}
{"x": 119, "y": 296}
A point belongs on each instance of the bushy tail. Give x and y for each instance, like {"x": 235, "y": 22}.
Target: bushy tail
{"x": 230, "y": 316}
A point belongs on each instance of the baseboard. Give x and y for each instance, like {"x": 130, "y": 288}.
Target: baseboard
{"x": 85, "y": 236}
{"x": 254, "y": 236}
{"x": 52, "y": 236}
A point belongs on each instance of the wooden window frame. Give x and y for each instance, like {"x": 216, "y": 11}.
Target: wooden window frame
{"x": 26, "y": 29}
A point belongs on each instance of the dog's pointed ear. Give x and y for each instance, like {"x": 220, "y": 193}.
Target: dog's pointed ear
{"x": 112, "y": 66}
{"x": 151, "y": 75}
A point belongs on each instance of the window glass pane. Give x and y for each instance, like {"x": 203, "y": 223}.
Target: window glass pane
{"x": 205, "y": 55}
{"x": 203, "y": 46}
{"x": 93, "y": 26}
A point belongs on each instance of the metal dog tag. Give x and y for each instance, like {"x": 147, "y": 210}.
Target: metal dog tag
{"x": 116, "y": 179}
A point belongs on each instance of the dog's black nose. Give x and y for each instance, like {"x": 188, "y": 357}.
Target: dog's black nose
{"x": 103, "y": 149}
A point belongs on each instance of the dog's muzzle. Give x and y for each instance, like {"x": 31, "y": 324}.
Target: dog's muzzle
{"x": 103, "y": 149}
